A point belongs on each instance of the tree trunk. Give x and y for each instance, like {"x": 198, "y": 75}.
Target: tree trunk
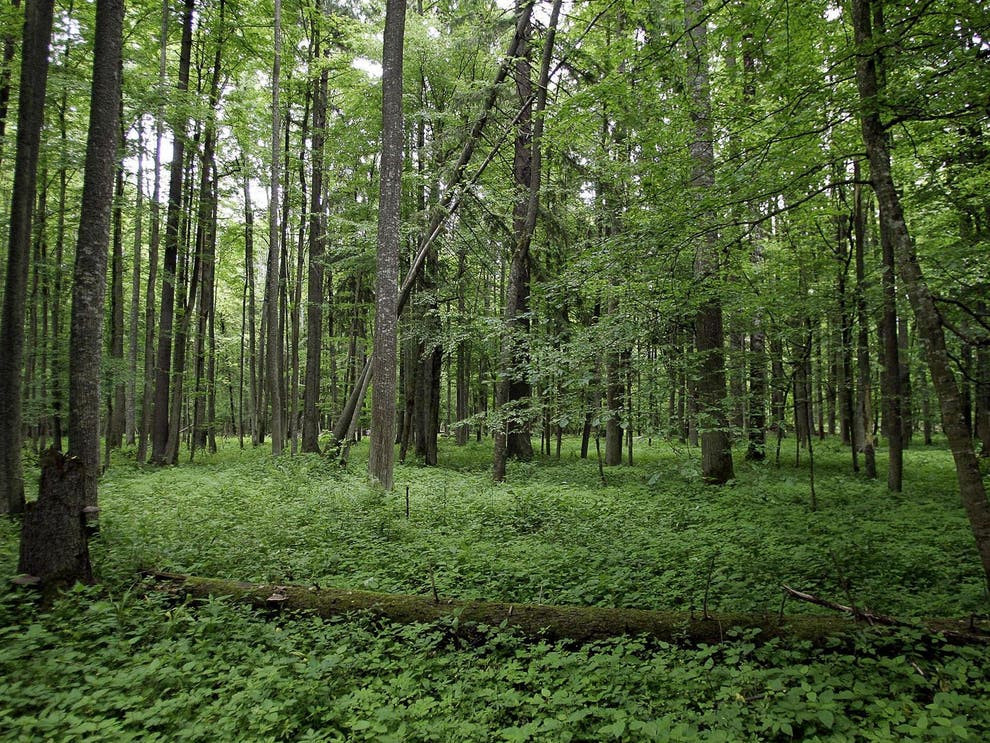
{"x": 163, "y": 365}
{"x": 512, "y": 436}
{"x": 115, "y": 395}
{"x": 89, "y": 274}
{"x": 30, "y": 118}
{"x": 381, "y": 457}
{"x": 907, "y": 402}
{"x": 512, "y": 439}
{"x": 130, "y": 403}
{"x": 549, "y": 623}
{"x": 927, "y": 318}
{"x": 273, "y": 356}
{"x": 716, "y": 446}
{"x": 314, "y": 289}
{"x": 863, "y": 433}
{"x": 892, "y": 376}
{"x": 54, "y": 543}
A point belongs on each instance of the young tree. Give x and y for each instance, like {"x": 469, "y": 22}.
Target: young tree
{"x": 382, "y": 455}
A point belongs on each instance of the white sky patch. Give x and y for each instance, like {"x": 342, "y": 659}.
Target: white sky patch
{"x": 368, "y": 66}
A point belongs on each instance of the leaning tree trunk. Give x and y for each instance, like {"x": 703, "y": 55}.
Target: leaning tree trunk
{"x": 927, "y": 318}
{"x": 716, "y": 447}
{"x": 30, "y": 118}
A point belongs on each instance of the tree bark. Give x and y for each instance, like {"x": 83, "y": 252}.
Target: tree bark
{"x": 54, "y": 543}
{"x": 89, "y": 274}
{"x": 381, "y": 458}
{"x": 512, "y": 385}
{"x": 163, "y": 365}
{"x": 273, "y": 357}
{"x": 576, "y": 624}
{"x": 927, "y": 319}
{"x": 130, "y": 403}
{"x": 314, "y": 289}
{"x": 30, "y": 118}
{"x": 863, "y": 433}
{"x": 892, "y": 376}
{"x": 716, "y": 446}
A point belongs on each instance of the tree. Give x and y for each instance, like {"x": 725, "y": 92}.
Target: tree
{"x": 716, "y": 447}
{"x": 30, "y": 117}
{"x": 163, "y": 365}
{"x": 382, "y": 455}
{"x": 929, "y": 323}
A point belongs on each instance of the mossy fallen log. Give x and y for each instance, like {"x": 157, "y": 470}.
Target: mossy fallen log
{"x": 578, "y": 624}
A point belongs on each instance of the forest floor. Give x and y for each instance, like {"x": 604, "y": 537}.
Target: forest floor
{"x": 122, "y": 661}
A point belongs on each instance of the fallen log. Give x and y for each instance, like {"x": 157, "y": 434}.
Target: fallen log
{"x": 578, "y": 624}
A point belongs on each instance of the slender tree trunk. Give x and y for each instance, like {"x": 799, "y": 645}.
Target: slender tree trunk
{"x": 273, "y": 358}
{"x": 382, "y": 453}
{"x": 716, "y": 448}
{"x": 928, "y": 321}
{"x": 892, "y": 376}
{"x": 130, "y": 403}
{"x": 115, "y": 395}
{"x": 163, "y": 366}
{"x": 907, "y": 404}
{"x": 864, "y": 411}
{"x": 314, "y": 293}
{"x": 30, "y": 117}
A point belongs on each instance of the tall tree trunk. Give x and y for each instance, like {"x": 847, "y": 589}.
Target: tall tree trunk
{"x": 892, "y": 366}
{"x": 273, "y": 358}
{"x": 314, "y": 289}
{"x": 89, "y": 274}
{"x": 907, "y": 403}
{"x": 511, "y": 439}
{"x": 30, "y": 117}
{"x": 154, "y": 244}
{"x": 928, "y": 321}
{"x": 163, "y": 365}
{"x": 716, "y": 447}
{"x": 130, "y": 403}
{"x": 115, "y": 395}
{"x": 206, "y": 250}
{"x": 513, "y": 389}
{"x": 863, "y": 432}
{"x": 382, "y": 453}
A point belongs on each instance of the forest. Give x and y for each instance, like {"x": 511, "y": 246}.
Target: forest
{"x": 488, "y": 370}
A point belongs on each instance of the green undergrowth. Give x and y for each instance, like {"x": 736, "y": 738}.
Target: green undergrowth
{"x": 653, "y": 537}
{"x": 120, "y": 661}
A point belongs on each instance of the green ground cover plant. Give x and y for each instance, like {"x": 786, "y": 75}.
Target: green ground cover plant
{"x": 121, "y": 661}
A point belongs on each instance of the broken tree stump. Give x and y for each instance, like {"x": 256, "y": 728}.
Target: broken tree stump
{"x": 54, "y": 543}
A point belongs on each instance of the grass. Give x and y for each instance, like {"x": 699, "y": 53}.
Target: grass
{"x": 119, "y": 662}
